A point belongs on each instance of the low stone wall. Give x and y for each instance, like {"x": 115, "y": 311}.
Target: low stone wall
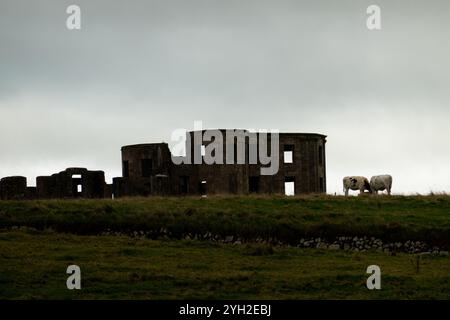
{"x": 356, "y": 244}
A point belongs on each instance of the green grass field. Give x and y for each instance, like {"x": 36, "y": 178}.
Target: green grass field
{"x": 116, "y": 267}
{"x": 398, "y": 218}
{"x": 55, "y": 234}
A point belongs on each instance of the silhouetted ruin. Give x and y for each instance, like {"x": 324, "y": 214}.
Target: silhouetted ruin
{"x": 148, "y": 169}
{"x": 73, "y": 183}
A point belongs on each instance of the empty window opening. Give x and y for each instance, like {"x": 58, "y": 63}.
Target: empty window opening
{"x": 159, "y": 184}
{"x": 288, "y": 153}
{"x": 203, "y": 188}
{"x": 184, "y": 183}
{"x": 320, "y": 155}
{"x": 232, "y": 183}
{"x": 203, "y": 150}
{"x": 253, "y": 184}
{"x": 321, "y": 184}
{"x": 288, "y": 157}
{"x": 147, "y": 190}
{"x": 77, "y": 187}
{"x": 146, "y": 167}
{"x": 159, "y": 157}
{"x": 289, "y": 186}
{"x": 125, "y": 169}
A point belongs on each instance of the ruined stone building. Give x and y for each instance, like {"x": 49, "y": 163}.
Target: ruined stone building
{"x": 71, "y": 183}
{"x": 148, "y": 169}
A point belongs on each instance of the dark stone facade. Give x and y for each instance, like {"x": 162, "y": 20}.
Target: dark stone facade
{"x": 148, "y": 170}
{"x": 145, "y": 171}
{"x": 72, "y": 183}
{"x": 13, "y": 188}
{"x": 69, "y": 184}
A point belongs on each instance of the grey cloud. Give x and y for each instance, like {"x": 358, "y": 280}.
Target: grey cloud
{"x": 139, "y": 69}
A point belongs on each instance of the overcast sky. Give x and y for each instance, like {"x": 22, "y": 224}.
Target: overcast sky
{"x": 137, "y": 70}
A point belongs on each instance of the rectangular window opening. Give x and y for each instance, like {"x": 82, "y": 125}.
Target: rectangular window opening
{"x": 288, "y": 153}
{"x": 159, "y": 184}
{"x": 320, "y": 155}
{"x": 146, "y": 166}
{"x": 184, "y": 183}
{"x": 125, "y": 169}
{"x": 289, "y": 186}
{"x": 253, "y": 184}
{"x": 232, "y": 183}
{"x": 203, "y": 189}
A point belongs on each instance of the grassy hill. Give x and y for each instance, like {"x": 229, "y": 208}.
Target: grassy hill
{"x": 398, "y": 218}
{"x": 162, "y": 263}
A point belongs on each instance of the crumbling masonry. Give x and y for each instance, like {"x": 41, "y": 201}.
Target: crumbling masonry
{"x": 148, "y": 169}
